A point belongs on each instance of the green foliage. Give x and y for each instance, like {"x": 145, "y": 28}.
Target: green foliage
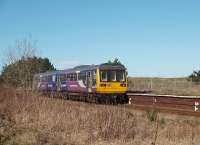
{"x": 195, "y": 76}
{"x": 20, "y": 73}
{"x": 114, "y": 62}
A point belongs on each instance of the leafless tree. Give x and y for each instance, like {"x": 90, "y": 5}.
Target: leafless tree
{"x": 22, "y": 50}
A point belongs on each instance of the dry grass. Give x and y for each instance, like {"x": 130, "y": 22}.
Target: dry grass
{"x": 176, "y": 86}
{"x": 29, "y": 119}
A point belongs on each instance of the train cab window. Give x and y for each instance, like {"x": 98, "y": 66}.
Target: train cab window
{"x": 112, "y": 76}
{"x": 104, "y": 76}
{"x": 120, "y": 76}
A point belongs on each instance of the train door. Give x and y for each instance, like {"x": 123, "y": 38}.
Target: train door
{"x": 54, "y": 86}
{"x": 89, "y": 81}
{"x": 58, "y": 82}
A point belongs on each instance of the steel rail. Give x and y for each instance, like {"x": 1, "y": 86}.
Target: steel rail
{"x": 189, "y": 104}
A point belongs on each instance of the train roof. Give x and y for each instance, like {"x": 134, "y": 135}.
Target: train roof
{"x": 107, "y": 66}
{"x": 104, "y": 66}
{"x": 50, "y": 73}
{"x": 80, "y": 68}
{"x": 83, "y": 68}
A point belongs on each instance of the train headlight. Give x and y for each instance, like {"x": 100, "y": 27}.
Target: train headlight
{"x": 103, "y": 85}
{"x": 123, "y": 85}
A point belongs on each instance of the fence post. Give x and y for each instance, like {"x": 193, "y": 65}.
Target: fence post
{"x": 151, "y": 84}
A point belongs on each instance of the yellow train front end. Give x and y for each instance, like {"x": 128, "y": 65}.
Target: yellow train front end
{"x": 114, "y": 86}
{"x": 111, "y": 82}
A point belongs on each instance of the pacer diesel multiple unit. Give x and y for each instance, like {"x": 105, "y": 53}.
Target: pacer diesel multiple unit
{"x": 105, "y": 81}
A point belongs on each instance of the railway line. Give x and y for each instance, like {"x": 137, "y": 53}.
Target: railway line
{"x": 186, "y": 105}
{"x": 107, "y": 83}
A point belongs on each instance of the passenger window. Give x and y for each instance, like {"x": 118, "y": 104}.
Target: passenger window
{"x": 71, "y": 77}
{"x": 68, "y": 77}
{"x": 82, "y": 76}
{"x": 75, "y": 77}
{"x": 94, "y": 75}
{"x": 104, "y": 76}
{"x": 63, "y": 77}
{"x": 54, "y": 78}
{"x": 88, "y": 74}
{"x": 49, "y": 78}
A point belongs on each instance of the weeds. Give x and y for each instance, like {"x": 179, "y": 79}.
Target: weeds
{"x": 35, "y": 120}
{"x": 152, "y": 114}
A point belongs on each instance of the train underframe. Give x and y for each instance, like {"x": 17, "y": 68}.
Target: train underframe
{"x": 100, "y": 98}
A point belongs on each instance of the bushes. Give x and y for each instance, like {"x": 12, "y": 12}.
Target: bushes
{"x": 21, "y": 64}
{"x": 21, "y": 72}
{"x": 152, "y": 114}
{"x": 195, "y": 76}
{"x": 32, "y": 120}
{"x": 65, "y": 122}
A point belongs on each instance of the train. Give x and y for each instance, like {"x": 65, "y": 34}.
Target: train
{"x": 99, "y": 83}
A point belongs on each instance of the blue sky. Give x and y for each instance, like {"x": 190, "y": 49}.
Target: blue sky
{"x": 151, "y": 37}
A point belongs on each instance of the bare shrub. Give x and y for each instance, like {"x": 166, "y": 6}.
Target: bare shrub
{"x": 176, "y": 86}
{"x": 152, "y": 114}
{"x": 34, "y": 119}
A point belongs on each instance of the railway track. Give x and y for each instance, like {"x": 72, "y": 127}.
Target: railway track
{"x": 186, "y": 105}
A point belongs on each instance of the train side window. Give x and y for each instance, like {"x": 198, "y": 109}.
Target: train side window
{"x": 54, "y": 78}
{"x": 74, "y": 77}
{"x": 68, "y": 77}
{"x": 49, "y": 78}
{"x": 89, "y": 74}
{"x": 79, "y": 76}
{"x": 41, "y": 78}
{"x": 94, "y": 75}
{"x": 82, "y": 76}
{"x": 71, "y": 77}
{"x": 104, "y": 76}
{"x": 63, "y": 77}
{"x": 44, "y": 78}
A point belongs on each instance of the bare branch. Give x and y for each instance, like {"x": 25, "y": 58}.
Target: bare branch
{"x": 25, "y": 48}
